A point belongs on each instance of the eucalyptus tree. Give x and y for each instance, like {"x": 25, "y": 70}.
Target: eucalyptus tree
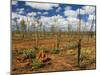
{"x": 57, "y": 35}
{"x": 23, "y": 26}
{"x": 91, "y": 27}
{"x": 52, "y": 29}
{"x": 36, "y": 23}
{"x": 39, "y": 27}
{"x": 16, "y": 24}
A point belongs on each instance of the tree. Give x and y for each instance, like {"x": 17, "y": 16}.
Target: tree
{"x": 91, "y": 28}
{"x": 23, "y": 26}
{"x": 16, "y": 25}
{"x": 52, "y": 30}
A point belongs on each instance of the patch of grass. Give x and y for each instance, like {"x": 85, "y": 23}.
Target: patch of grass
{"x": 47, "y": 50}
{"x": 62, "y": 53}
{"x": 55, "y": 51}
{"x": 29, "y": 53}
{"x": 71, "y": 52}
{"x": 72, "y": 45}
{"x": 86, "y": 58}
{"x": 85, "y": 54}
{"x": 37, "y": 64}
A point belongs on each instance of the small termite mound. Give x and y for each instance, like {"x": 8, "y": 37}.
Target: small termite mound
{"x": 42, "y": 56}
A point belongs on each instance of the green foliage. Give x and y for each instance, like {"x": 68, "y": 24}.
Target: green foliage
{"x": 23, "y": 26}
{"x": 29, "y": 53}
{"x": 85, "y": 54}
{"x": 47, "y": 50}
{"x": 37, "y": 64}
{"x": 55, "y": 50}
{"x": 71, "y": 52}
{"x": 72, "y": 45}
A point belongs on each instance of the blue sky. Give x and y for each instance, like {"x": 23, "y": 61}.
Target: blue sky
{"x": 21, "y": 4}
{"x": 64, "y": 13}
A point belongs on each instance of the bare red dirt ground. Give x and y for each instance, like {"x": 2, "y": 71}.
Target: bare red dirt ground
{"x": 66, "y": 60}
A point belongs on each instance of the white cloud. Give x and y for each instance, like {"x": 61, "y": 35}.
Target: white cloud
{"x": 14, "y": 2}
{"x": 18, "y": 17}
{"x": 14, "y": 15}
{"x": 86, "y": 10}
{"x": 42, "y": 6}
{"x": 81, "y": 11}
{"x": 68, "y": 8}
{"x": 20, "y": 11}
{"x": 89, "y": 9}
{"x": 56, "y": 21}
{"x": 30, "y": 14}
{"x": 73, "y": 14}
{"x": 60, "y": 21}
{"x": 70, "y": 13}
{"x": 91, "y": 17}
{"x": 72, "y": 20}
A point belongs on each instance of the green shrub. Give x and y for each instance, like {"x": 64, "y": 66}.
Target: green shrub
{"x": 55, "y": 51}
{"x": 29, "y": 53}
{"x": 35, "y": 48}
{"x": 47, "y": 50}
{"x": 85, "y": 54}
{"x": 72, "y": 45}
{"x": 37, "y": 64}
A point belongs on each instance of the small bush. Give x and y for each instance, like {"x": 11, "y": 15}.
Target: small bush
{"x": 47, "y": 50}
{"x": 86, "y": 57}
{"x": 55, "y": 51}
{"x": 37, "y": 64}
{"x": 29, "y": 53}
{"x": 85, "y": 54}
{"x": 71, "y": 52}
{"x": 72, "y": 45}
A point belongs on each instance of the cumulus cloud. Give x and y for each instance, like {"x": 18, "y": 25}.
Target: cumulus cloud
{"x": 56, "y": 21}
{"x": 81, "y": 11}
{"x": 91, "y": 17}
{"x": 20, "y": 11}
{"x": 72, "y": 20}
{"x": 69, "y": 12}
{"x": 42, "y": 6}
{"x": 86, "y": 10}
{"x": 89, "y": 9}
{"x": 72, "y": 16}
{"x": 30, "y": 14}
{"x": 14, "y": 2}
{"x": 68, "y": 8}
{"x": 18, "y": 17}
{"x": 14, "y": 15}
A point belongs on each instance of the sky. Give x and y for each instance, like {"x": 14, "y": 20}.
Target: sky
{"x": 59, "y": 15}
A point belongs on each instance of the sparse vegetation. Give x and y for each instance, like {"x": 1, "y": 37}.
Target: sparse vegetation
{"x": 55, "y": 51}
{"x": 55, "y": 43}
{"x": 37, "y": 64}
{"x": 29, "y": 53}
{"x": 72, "y": 45}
